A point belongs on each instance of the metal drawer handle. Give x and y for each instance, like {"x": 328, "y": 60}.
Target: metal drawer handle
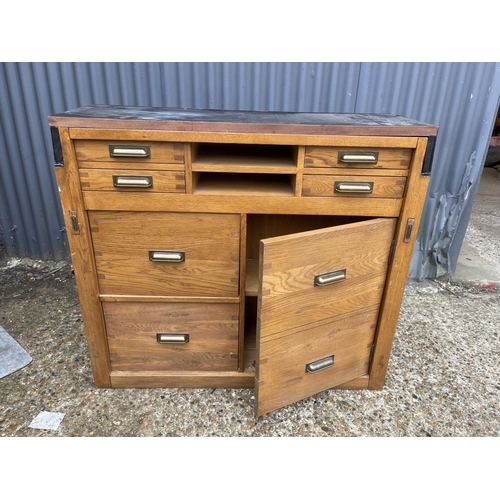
{"x": 166, "y": 256}
{"x": 330, "y": 278}
{"x": 133, "y": 181}
{"x": 172, "y": 338}
{"x": 320, "y": 364}
{"x": 353, "y": 187}
{"x": 361, "y": 157}
{"x": 129, "y": 151}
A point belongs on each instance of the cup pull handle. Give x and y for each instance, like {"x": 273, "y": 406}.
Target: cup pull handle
{"x": 129, "y": 151}
{"x": 172, "y": 338}
{"x": 132, "y": 181}
{"x": 353, "y": 187}
{"x": 320, "y": 364}
{"x": 74, "y": 221}
{"x": 354, "y": 157}
{"x": 166, "y": 256}
{"x": 330, "y": 278}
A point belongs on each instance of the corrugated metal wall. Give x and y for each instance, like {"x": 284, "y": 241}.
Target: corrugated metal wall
{"x": 462, "y": 98}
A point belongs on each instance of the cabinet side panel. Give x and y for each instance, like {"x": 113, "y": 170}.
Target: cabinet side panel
{"x": 416, "y": 190}
{"x": 82, "y": 257}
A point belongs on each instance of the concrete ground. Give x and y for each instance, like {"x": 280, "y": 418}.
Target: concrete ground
{"x": 479, "y": 258}
{"x": 443, "y": 377}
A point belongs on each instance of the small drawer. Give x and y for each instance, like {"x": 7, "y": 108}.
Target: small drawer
{"x": 166, "y": 254}
{"x": 131, "y": 180}
{"x": 128, "y": 151}
{"x": 172, "y": 336}
{"x": 353, "y": 185}
{"x": 340, "y": 157}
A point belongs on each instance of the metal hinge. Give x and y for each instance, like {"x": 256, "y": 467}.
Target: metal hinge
{"x": 391, "y": 253}
{"x": 372, "y": 350}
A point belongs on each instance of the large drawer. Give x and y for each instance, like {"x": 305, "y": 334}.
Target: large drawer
{"x": 349, "y": 157}
{"x": 353, "y": 185}
{"x": 129, "y": 151}
{"x": 166, "y": 254}
{"x": 148, "y": 181}
{"x": 172, "y": 336}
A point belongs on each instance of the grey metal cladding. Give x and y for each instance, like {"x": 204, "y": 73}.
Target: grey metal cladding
{"x": 461, "y": 98}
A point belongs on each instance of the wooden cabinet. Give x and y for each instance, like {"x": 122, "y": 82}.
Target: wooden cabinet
{"x": 240, "y": 249}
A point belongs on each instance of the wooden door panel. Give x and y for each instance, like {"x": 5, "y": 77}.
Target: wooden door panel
{"x": 283, "y": 361}
{"x": 303, "y": 322}
{"x": 290, "y": 264}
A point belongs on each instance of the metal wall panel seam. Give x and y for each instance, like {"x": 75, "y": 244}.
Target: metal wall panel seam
{"x": 437, "y": 93}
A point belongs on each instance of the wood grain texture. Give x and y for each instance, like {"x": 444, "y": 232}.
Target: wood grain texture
{"x": 282, "y": 378}
{"x": 132, "y": 165}
{"x": 240, "y": 184}
{"x": 297, "y": 179}
{"x": 196, "y": 379}
{"x": 231, "y": 191}
{"x": 188, "y": 155}
{"x": 357, "y": 384}
{"x": 416, "y": 190}
{"x": 190, "y": 128}
{"x": 298, "y": 322}
{"x": 122, "y": 241}
{"x": 254, "y": 158}
{"x": 212, "y": 329}
{"x": 263, "y": 226}
{"x": 165, "y": 298}
{"x": 374, "y": 172}
{"x": 316, "y": 136}
{"x": 328, "y": 157}
{"x": 98, "y": 150}
{"x": 163, "y": 181}
{"x": 243, "y": 274}
{"x": 83, "y": 262}
{"x": 290, "y": 263}
{"x": 193, "y": 379}
{"x": 244, "y": 203}
{"x": 324, "y": 185}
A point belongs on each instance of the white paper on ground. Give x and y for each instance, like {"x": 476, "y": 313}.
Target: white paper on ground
{"x": 12, "y": 356}
{"x": 47, "y": 420}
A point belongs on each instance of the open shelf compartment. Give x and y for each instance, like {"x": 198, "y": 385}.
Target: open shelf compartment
{"x": 218, "y": 183}
{"x": 254, "y": 158}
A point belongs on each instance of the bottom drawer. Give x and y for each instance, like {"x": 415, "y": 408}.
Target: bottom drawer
{"x": 172, "y": 336}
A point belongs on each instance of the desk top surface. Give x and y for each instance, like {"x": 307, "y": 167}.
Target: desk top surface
{"x": 174, "y": 119}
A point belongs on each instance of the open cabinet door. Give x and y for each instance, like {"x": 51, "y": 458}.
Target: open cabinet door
{"x": 319, "y": 298}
